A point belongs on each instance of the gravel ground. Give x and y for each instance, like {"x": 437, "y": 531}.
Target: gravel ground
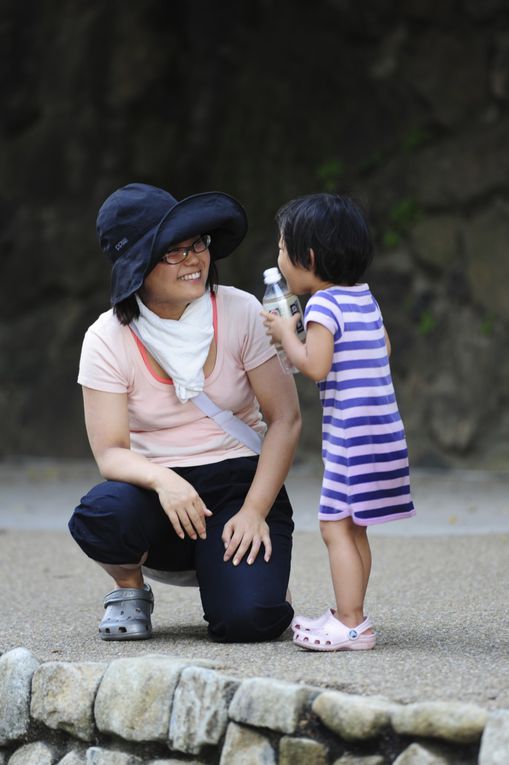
{"x": 438, "y": 591}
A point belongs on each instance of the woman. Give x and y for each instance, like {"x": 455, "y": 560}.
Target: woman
{"x": 182, "y": 492}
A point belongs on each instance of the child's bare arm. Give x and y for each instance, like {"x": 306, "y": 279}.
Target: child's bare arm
{"x": 387, "y": 343}
{"x": 314, "y": 357}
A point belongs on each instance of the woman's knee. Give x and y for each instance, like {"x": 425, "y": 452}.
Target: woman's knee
{"x": 114, "y": 499}
{"x": 249, "y": 622}
{"x": 106, "y": 523}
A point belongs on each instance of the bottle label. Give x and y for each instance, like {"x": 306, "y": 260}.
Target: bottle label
{"x": 295, "y": 308}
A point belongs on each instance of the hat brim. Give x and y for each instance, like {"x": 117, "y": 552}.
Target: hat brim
{"x": 129, "y": 270}
{"x": 213, "y": 213}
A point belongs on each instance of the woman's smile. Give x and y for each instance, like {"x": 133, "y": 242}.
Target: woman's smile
{"x": 190, "y": 277}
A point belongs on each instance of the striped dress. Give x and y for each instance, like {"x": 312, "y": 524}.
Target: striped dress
{"x": 364, "y": 450}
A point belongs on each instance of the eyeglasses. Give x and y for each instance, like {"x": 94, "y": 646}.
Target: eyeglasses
{"x": 176, "y": 255}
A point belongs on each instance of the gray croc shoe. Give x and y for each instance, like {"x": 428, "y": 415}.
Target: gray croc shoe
{"x": 127, "y": 615}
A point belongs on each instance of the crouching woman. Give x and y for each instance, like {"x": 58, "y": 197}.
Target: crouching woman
{"x": 191, "y": 421}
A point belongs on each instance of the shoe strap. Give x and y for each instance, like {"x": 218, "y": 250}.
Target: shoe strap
{"x": 355, "y": 632}
{"x": 125, "y": 593}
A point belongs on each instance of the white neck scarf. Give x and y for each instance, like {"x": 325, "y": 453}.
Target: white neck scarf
{"x": 180, "y": 346}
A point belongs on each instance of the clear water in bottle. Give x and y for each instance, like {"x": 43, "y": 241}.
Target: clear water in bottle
{"x": 278, "y": 299}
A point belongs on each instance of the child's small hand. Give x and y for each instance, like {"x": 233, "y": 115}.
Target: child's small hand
{"x": 277, "y": 326}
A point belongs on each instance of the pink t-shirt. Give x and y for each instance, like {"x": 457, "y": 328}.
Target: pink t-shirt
{"x": 162, "y": 428}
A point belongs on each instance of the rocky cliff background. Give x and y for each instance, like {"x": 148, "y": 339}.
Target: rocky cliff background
{"x": 404, "y": 103}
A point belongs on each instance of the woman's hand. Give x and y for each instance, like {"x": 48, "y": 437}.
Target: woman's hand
{"x": 182, "y": 504}
{"x": 247, "y": 530}
{"x": 108, "y": 432}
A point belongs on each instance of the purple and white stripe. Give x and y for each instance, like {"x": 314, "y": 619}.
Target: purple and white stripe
{"x": 364, "y": 449}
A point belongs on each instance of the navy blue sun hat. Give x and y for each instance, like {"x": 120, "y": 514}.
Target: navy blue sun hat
{"x": 138, "y": 222}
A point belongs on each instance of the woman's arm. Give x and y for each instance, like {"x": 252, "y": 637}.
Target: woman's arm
{"x": 277, "y": 396}
{"x": 108, "y": 433}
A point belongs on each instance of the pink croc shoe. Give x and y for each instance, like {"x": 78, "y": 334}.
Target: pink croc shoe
{"x": 303, "y": 623}
{"x": 333, "y": 635}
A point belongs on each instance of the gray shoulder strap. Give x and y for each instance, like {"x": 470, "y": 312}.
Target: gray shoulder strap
{"x": 230, "y": 423}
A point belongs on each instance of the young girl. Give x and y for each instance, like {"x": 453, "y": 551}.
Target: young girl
{"x": 324, "y": 249}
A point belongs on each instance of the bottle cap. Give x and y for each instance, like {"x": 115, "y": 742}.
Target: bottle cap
{"x": 271, "y": 275}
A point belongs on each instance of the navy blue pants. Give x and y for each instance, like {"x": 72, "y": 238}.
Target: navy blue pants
{"x": 117, "y": 522}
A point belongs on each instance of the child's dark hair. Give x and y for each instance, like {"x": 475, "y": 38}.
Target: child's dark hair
{"x": 335, "y": 228}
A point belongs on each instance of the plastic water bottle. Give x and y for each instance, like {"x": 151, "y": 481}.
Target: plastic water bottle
{"x": 278, "y": 299}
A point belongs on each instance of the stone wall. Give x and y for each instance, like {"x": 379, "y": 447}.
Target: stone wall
{"x": 160, "y": 710}
{"x": 404, "y": 103}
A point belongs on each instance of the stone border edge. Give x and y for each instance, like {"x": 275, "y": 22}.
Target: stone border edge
{"x": 160, "y": 708}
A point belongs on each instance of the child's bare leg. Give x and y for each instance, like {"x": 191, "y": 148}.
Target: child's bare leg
{"x": 362, "y": 542}
{"x": 347, "y": 569}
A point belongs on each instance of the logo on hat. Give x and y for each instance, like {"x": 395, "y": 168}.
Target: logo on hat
{"x": 120, "y": 245}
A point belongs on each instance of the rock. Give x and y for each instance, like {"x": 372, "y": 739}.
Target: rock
{"x": 353, "y": 717}
{"x": 458, "y": 57}
{"x": 301, "y": 751}
{"x": 245, "y": 747}
{"x": 495, "y": 739}
{"x": 416, "y": 754}
{"x": 174, "y": 762}
{"x": 448, "y": 720}
{"x": 449, "y": 172}
{"x": 63, "y": 696}
{"x": 200, "y": 709}
{"x": 435, "y": 241}
{"x": 499, "y": 74}
{"x": 135, "y": 697}
{"x": 353, "y": 759}
{"x": 268, "y": 703}
{"x": 452, "y": 422}
{"x": 386, "y": 61}
{"x": 486, "y": 241}
{"x": 485, "y": 9}
{"x": 96, "y": 755}
{"x": 456, "y": 412}
{"x": 419, "y": 10}
{"x": 16, "y": 670}
{"x": 74, "y": 757}
{"x": 34, "y": 754}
